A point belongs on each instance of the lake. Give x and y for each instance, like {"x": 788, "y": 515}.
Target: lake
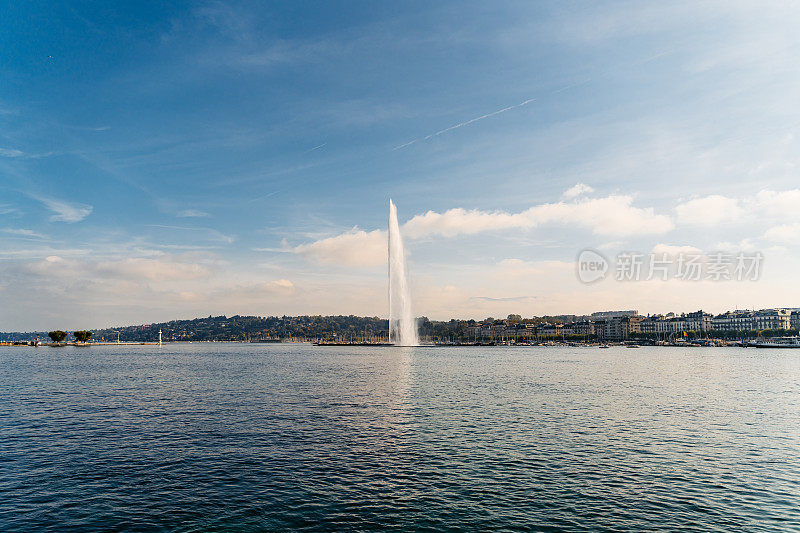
{"x": 247, "y": 437}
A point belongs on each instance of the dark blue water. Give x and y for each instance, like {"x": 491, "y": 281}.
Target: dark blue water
{"x": 228, "y": 437}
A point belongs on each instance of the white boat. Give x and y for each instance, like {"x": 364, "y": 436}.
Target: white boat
{"x": 777, "y": 342}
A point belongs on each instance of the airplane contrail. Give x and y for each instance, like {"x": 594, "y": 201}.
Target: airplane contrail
{"x": 476, "y": 119}
{"x": 404, "y": 145}
{"x": 468, "y": 122}
{"x": 315, "y": 148}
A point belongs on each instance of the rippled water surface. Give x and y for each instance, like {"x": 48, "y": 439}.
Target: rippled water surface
{"x": 230, "y": 437}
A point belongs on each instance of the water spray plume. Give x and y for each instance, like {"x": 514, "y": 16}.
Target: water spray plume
{"x": 402, "y": 325}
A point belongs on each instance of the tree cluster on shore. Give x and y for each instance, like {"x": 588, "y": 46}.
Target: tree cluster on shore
{"x": 58, "y": 336}
{"x": 270, "y": 328}
{"x": 306, "y": 327}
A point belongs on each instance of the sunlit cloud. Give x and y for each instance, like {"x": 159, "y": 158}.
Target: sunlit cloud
{"x": 709, "y": 211}
{"x": 611, "y": 215}
{"x": 579, "y": 189}
{"x": 784, "y": 234}
{"x": 356, "y": 247}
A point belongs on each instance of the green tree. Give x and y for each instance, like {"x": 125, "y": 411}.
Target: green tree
{"x": 83, "y": 336}
{"x": 57, "y": 335}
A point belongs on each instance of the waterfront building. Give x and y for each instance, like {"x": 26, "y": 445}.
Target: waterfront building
{"x": 650, "y": 324}
{"x": 772, "y": 319}
{"x": 584, "y": 327}
{"x": 745, "y": 320}
{"x": 794, "y": 319}
{"x": 618, "y": 328}
{"x": 739, "y": 320}
{"x": 670, "y": 323}
{"x": 699, "y": 321}
{"x": 550, "y": 330}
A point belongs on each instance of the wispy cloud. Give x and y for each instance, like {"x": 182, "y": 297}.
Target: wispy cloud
{"x": 24, "y": 233}
{"x": 6, "y": 209}
{"x": 274, "y": 250}
{"x": 465, "y": 123}
{"x": 264, "y": 197}
{"x": 504, "y": 299}
{"x": 130, "y": 269}
{"x": 192, "y": 213}
{"x": 10, "y": 152}
{"x": 212, "y": 233}
{"x": 65, "y": 211}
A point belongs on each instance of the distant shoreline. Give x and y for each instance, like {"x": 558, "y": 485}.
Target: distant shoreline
{"x": 33, "y": 344}
{"x": 575, "y": 344}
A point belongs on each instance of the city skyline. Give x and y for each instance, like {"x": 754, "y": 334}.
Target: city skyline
{"x": 232, "y": 158}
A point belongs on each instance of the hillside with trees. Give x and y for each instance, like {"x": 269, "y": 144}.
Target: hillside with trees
{"x": 275, "y": 328}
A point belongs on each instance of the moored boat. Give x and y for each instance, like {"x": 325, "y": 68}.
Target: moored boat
{"x": 777, "y": 342}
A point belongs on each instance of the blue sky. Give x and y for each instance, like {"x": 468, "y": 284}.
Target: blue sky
{"x": 170, "y": 161}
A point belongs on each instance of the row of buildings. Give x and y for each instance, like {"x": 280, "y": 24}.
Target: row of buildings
{"x": 621, "y": 325}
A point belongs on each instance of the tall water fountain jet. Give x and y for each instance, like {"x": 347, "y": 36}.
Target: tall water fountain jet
{"x": 402, "y": 325}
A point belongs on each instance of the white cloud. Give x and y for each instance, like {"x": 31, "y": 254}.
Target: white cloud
{"x": 779, "y": 204}
{"x": 91, "y": 292}
{"x": 162, "y": 269}
{"x": 276, "y": 287}
{"x": 166, "y": 268}
{"x": 509, "y": 269}
{"x": 354, "y": 248}
{"x": 674, "y": 250}
{"x": 576, "y": 190}
{"x": 745, "y": 245}
{"x": 257, "y": 293}
{"x": 612, "y": 215}
{"x": 610, "y": 245}
{"x": 785, "y": 233}
{"x": 709, "y": 210}
{"x": 717, "y": 209}
{"x": 64, "y": 211}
